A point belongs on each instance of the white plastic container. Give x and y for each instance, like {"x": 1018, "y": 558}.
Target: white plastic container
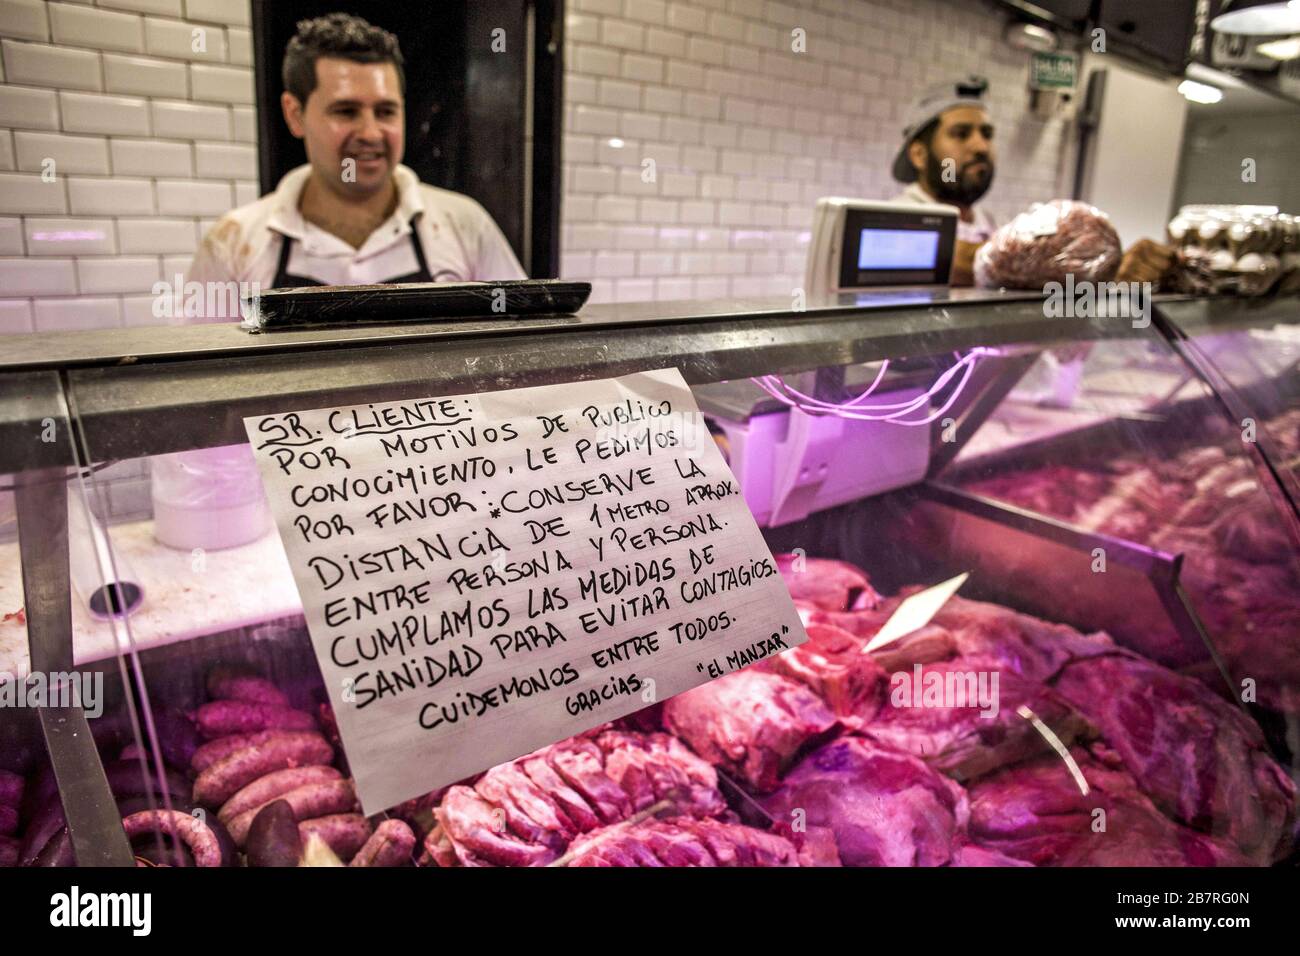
{"x": 211, "y": 498}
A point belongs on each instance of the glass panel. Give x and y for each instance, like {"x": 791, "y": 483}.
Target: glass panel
{"x": 1063, "y": 700}
{"x": 65, "y": 715}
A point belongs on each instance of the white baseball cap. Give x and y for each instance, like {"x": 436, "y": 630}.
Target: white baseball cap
{"x": 933, "y": 103}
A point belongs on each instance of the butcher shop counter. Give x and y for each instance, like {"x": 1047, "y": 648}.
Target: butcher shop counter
{"x": 929, "y": 455}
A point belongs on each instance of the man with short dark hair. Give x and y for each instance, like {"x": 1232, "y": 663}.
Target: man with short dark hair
{"x": 947, "y": 156}
{"x": 353, "y": 215}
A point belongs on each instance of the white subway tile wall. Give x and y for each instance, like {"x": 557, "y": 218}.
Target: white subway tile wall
{"x": 116, "y": 128}
{"x": 697, "y": 140}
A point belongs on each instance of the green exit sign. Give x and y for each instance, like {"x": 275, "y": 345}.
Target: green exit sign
{"x": 1052, "y": 71}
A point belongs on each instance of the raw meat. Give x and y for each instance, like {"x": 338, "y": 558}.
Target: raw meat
{"x": 956, "y": 736}
{"x": 1199, "y": 758}
{"x": 1038, "y": 812}
{"x": 1048, "y": 242}
{"x": 1240, "y": 566}
{"x": 832, "y": 665}
{"x": 528, "y": 811}
{"x": 683, "y": 842}
{"x": 1033, "y": 648}
{"x": 968, "y": 855}
{"x": 826, "y": 584}
{"x": 885, "y": 807}
{"x": 750, "y": 723}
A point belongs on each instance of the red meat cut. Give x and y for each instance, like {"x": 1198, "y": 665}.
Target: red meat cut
{"x": 1038, "y": 812}
{"x": 683, "y": 841}
{"x": 959, "y": 738}
{"x": 826, "y": 584}
{"x": 832, "y": 665}
{"x": 528, "y": 811}
{"x": 885, "y": 807}
{"x": 751, "y": 723}
{"x": 1199, "y": 758}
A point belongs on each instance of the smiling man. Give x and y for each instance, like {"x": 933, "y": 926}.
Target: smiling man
{"x": 353, "y": 215}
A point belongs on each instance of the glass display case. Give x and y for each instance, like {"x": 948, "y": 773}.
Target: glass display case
{"x": 1050, "y": 586}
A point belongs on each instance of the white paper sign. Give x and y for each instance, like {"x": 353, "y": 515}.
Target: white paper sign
{"x": 486, "y": 574}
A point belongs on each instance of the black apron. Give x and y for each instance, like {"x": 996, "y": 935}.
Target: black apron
{"x": 283, "y": 280}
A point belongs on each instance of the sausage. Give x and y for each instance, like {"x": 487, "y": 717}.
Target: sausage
{"x": 313, "y": 800}
{"x": 265, "y": 789}
{"x": 223, "y": 684}
{"x": 11, "y": 789}
{"x": 9, "y": 849}
{"x": 390, "y": 845}
{"x": 197, "y": 836}
{"x": 8, "y": 821}
{"x": 278, "y": 750}
{"x": 220, "y": 718}
{"x": 168, "y": 853}
{"x": 212, "y": 751}
{"x": 273, "y": 838}
{"x": 344, "y": 833}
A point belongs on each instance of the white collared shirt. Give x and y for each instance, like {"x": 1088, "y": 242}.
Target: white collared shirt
{"x": 976, "y": 232}
{"x": 460, "y": 241}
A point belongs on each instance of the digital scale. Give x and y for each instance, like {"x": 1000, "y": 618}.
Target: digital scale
{"x": 790, "y": 463}
{"x": 860, "y": 244}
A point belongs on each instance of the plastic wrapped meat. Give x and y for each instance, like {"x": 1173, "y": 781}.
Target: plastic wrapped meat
{"x": 1048, "y": 242}
{"x": 683, "y": 842}
{"x": 751, "y": 723}
{"x": 1200, "y": 759}
{"x": 528, "y": 811}
{"x": 959, "y": 733}
{"x": 885, "y": 807}
{"x": 826, "y": 584}
{"x": 832, "y": 665}
{"x": 1039, "y": 812}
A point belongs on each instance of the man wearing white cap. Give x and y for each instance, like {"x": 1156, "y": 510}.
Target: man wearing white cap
{"x": 947, "y": 156}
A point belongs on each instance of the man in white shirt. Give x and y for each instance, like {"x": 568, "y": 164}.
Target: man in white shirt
{"x": 947, "y": 156}
{"x": 353, "y": 215}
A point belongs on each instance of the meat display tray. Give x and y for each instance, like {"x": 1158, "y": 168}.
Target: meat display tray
{"x": 411, "y": 301}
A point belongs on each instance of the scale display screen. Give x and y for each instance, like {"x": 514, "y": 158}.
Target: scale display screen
{"x": 895, "y": 244}
{"x": 897, "y": 249}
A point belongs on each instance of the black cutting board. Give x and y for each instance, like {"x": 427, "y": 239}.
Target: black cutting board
{"x": 412, "y": 301}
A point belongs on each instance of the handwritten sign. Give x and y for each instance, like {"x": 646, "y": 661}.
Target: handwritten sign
{"x": 486, "y": 574}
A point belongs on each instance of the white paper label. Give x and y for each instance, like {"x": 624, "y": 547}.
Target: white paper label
{"x": 486, "y": 574}
{"x": 915, "y": 612}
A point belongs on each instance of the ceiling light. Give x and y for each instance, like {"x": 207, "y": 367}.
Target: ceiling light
{"x": 615, "y": 142}
{"x": 1200, "y": 92}
{"x": 1288, "y": 49}
{"x": 1261, "y": 20}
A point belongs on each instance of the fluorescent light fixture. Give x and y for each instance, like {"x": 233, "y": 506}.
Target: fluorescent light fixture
{"x": 615, "y": 142}
{"x": 1200, "y": 92}
{"x": 1260, "y": 20}
{"x": 1288, "y": 49}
